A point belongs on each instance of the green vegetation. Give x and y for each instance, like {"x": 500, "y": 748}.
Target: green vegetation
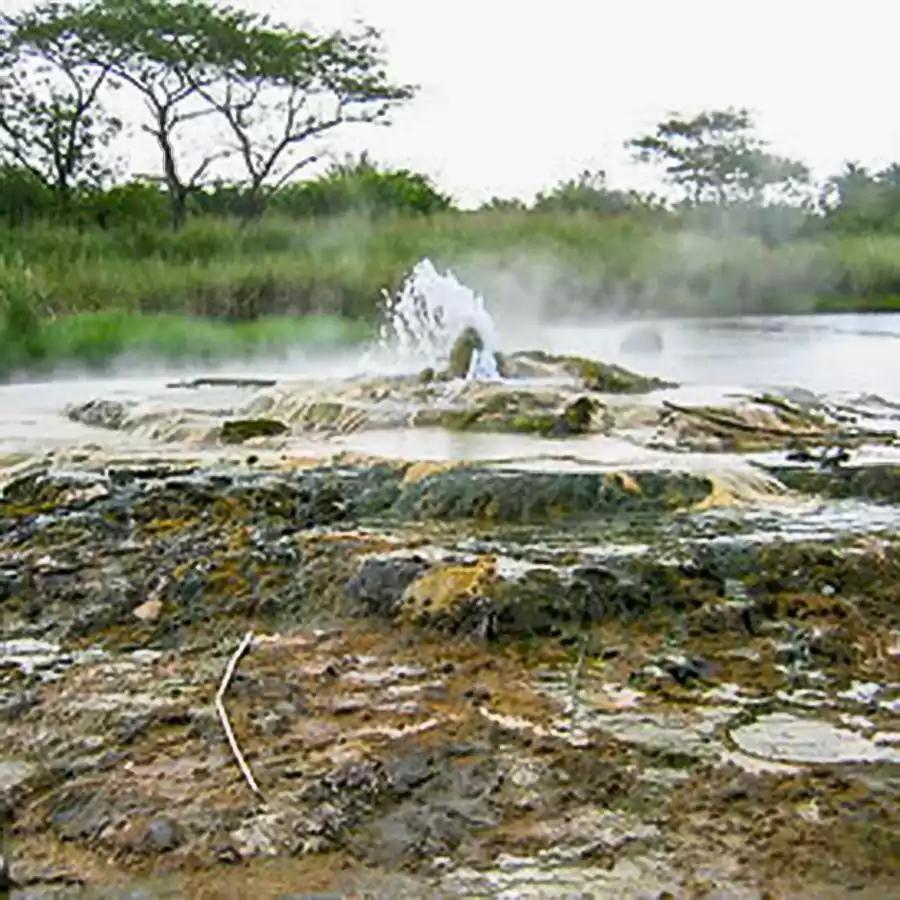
{"x": 281, "y": 266}
{"x": 237, "y": 431}
{"x": 226, "y": 250}
{"x": 35, "y": 338}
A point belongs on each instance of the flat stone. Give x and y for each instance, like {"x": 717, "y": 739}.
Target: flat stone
{"x": 14, "y": 774}
{"x": 788, "y": 738}
{"x": 149, "y": 611}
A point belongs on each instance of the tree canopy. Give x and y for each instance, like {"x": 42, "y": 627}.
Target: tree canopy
{"x": 239, "y": 107}
{"x": 52, "y": 120}
{"x": 267, "y": 92}
{"x": 716, "y": 156}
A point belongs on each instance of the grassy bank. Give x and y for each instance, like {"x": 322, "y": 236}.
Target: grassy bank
{"x": 338, "y": 267}
{"x": 90, "y": 295}
{"x": 283, "y": 266}
{"x": 95, "y": 341}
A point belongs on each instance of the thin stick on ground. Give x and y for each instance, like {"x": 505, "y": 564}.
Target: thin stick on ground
{"x": 575, "y": 681}
{"x": 223, "y": 714}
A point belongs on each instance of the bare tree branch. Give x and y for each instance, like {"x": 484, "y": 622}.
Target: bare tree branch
{"x": 293, "y": 170}
{"x": 51, "y": 111}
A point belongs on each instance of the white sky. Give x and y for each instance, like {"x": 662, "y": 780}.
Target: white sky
{"x": 518, "y": 95}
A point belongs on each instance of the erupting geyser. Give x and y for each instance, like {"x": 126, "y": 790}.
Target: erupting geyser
{"x": 431, "y": 311}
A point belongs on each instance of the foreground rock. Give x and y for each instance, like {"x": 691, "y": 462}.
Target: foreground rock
{"x": 463, "y": 681}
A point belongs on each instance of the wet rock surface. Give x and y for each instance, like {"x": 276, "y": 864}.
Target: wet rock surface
{"x": 458, "y": 679}
{"x": 539, "y": 395}
{"x": 463, "y": 681}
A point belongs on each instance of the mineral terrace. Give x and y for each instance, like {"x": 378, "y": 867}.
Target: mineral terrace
{"x": 531, "y": 676}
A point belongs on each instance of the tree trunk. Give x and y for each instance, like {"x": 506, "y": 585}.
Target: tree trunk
{"x": 254, "y": 205}
{"x": 176, "y": 190}
{"x": 177, "y": 206}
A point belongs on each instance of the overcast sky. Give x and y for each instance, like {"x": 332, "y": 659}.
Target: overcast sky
{"x": 516, "y": 96}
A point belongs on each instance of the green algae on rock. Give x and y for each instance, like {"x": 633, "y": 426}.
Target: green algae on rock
{"x": 878, "y": 482}
{"x": 237, "y": 431}
{"x": 592, "y": 374}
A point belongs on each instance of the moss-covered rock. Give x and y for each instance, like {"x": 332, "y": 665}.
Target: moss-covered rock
{"x": 468, "y": 343}
{"x": 879, "y": 483}
{"x": 576, "y": 418}
{"x": 444, "y": 593}
{"x": 591, "y": 374}
{"x": 477, "y": 599}
{"x": 527, "y": 497}
{"x": 102, "y": 413}
{"x": 481, "y": 597}
{"x": 237, "y": 431}
{"x": 516, "y": 411}
{"x": 757, "y": 425}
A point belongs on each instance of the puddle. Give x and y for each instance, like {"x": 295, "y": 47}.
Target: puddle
{"x": 692, "y": 733}
{"x": 806, "y": 521}
{"x": 786, "y": 738}
{"x": 614, "y": 709}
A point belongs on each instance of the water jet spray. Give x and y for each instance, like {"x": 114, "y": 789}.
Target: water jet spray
{"x": 433, "y": 319}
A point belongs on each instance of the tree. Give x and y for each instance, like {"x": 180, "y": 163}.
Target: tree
{"x": 23, "y": 196}
{"x": 504, "y": 205}
{"x": 715, "y": 156}
{"x": 273, "y": 90}
{"x": 589, "y": 192}
{"x": 359, "y": 185}
{"x": 279, "y": 90}
{"x": 52, "y": 122}
{"x": 857, "y": 200}
{"x": 160, "y": 49}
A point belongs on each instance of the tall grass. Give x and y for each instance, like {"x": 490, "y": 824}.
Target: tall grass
{"x": 93, "y": 294}
{"x": 34, "y": 339}
{"x": 281, "y": 266}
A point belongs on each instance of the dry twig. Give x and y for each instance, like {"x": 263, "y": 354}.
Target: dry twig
{"x": 575, "y": 682}
{"x": 223, "y": 714}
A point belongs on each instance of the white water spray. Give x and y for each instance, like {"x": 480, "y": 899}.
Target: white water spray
{"x": 429, "y": 313}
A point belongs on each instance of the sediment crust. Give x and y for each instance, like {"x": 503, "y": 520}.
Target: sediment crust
{"x": 544, "y": 396}
{"x": 254, "y": 671}
{"x": 462, "y": 680}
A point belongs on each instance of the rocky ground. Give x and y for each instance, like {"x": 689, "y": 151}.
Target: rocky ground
{"x": 458, "y": 680}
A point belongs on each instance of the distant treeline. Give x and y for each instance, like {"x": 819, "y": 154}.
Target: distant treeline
{"x": 266, "y": 97}
{"x": 856, "y": 201}
{"x": 353, "y": 186}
